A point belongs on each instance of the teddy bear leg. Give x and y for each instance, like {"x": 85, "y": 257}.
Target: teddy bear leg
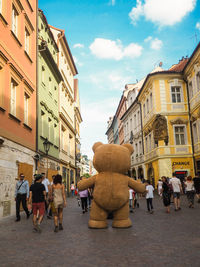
{"x": 98, "y": 217}
{"x": 121, "y": 217}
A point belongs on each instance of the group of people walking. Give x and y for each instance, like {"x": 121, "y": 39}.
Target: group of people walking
{"x": 42, "y": 197}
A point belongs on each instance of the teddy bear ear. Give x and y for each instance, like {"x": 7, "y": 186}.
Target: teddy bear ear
{"x": 97, "y": 144}
{"x": 130, "y": 148}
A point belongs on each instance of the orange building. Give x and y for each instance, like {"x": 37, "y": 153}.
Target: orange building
{"x": 18, "y": 28}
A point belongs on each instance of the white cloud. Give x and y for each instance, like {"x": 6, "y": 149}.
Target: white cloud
{"x": 162, "y": 12}
{"x": 198, "y": 25}
{"x": 155, "y": 43}
{"x": 113, "y": 2}
{"x": 108, "y": 49}
{"x": 78, "y": 46}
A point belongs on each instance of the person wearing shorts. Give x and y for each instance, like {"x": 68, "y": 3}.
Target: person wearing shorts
{"x": 177, "y": 190}
{"x": 37, "y": 197}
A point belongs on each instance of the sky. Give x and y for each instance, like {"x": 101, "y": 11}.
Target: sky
{"x": 116, "y": 42}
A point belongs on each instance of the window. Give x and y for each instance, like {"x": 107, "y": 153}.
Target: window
{"x": 146, "y": 143}
{"x": 26, "y": 102}
{"x": 43, "y": 75}
{"x": 14, "y": 20}
{"x": 13, "y": 97}
{"x": 0, "y": 6}
{"x": 27, "y": 41}
{"x": 42, "y": 123}
{"x": 149, "y": 142}
{"x": 147, "y": 105}
{"x": 179, "y": 135}
{"x": 195, "y": 135}
{"x": 190, "y": 90}
{"x": 151, "y": 101}
{"x": 49, "y": 129}
{"x": 130, "y": 124}
{"x": 136, "y": 150}
{"x": 144, "y": 110}
{"x": 198, "y": 81}
{"x": 176, "y": 94}
{"x": 135, "y": 122}
{"x": 49, "y": 84}
{"x": 140, "y": 147}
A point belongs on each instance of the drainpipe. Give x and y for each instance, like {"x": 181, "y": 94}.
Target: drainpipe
{"x": 192, "y": 140}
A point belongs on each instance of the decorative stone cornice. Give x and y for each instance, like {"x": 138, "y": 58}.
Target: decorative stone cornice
{"x": 49, "y": 110}
{"x": 179, "y": 121}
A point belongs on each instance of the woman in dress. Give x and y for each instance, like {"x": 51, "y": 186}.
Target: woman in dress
{"x": 166, "y": 194}
{"x": 190, "y": 192}
{"x": 59, "y": 201}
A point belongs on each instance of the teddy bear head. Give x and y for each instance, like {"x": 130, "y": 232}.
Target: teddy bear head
{"x": 112, "y": 157}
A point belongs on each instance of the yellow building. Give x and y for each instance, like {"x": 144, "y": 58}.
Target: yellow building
{"x": 192, "y": 77}
{"x": 166, "y": 127}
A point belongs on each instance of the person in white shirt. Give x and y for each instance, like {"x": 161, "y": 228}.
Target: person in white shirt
{"x": 46, "y": 184}
{"x": 149, "y": 197}
{"x": 190, "y": 192}
{"x": 160, "y": 187}
{"x": 177, "y": 190}
{"x": 131, "y": 199}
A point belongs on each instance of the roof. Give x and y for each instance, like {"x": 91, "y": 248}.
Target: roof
{"x": 66, "y": 43}
{"x": 45, "y": 19}
{"x": 180, "y": 66}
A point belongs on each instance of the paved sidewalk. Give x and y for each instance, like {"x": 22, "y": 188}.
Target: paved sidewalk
{"x": 159, "y": 239}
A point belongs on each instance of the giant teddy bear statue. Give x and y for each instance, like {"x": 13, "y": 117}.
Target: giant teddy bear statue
{"x": 111, "y": 185}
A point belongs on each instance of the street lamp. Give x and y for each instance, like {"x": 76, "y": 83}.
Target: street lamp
{"x": 46, "y": 145}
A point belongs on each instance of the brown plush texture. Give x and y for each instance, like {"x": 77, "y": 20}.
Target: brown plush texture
{"x": 111, "y": 185}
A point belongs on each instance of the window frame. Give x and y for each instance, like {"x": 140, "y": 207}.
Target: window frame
{"x": 13, "y": 100}
{"x": 185, "y": 134}
{"x": 181, "y": 94}
{"x": 15, "y": 16}
{"x": 26, "y": 108}
{"x": 27, "y": 41}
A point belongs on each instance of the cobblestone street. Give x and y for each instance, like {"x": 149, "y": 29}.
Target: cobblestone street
{"x": 159, "y": 239}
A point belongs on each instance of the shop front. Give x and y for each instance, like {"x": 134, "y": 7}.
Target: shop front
{"x": 182, "y": 167}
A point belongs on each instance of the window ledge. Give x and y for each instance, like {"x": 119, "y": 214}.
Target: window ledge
{"x": 14, "y": 118}
{"x": 28, "y": 56}
{"x": 2, "y": 109}
{"x": 3, "y": 19}
{"x": 29, "y": 4}
{"x": 27, "y": 127}
{"x": 18, "y": 41}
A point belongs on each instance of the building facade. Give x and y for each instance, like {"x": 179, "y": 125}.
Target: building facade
{"x": 67, "y": 125}
{"x": 17, "y": 96}
{"x": 49, "y": 78}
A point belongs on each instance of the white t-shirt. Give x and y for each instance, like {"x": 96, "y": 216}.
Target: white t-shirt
{"x": 189, "y": 186}
{"x": 130, "y": 193}
{"x": 150, "y": 190}
{"x": 46, "y": 183}
{"x": 176, "y": 183}
{"x": 160, "y": 184}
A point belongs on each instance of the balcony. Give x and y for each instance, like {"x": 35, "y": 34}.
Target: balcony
{"x": 197, "y": 147}
{"x": 195, "y": 100}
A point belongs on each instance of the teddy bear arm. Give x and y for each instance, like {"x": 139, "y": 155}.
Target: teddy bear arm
{"x": 138, "y": 187}
{"x": 86, "y": 183}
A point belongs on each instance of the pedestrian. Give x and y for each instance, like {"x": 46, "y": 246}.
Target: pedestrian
{"x": 83, "y": 195}
{"x": 159, "y": 186}
{"x": 177, "y": 190}
{"x": 190, "y": 192}
{"x": 46, "y": 183}
{"x": 131, "y": 199}
{"x": 196, "y": 181}
{"x": 72, "y": 188}
{"x": 166, "y": 194}
{"x": 37, "y": 198}
{"x": 149, "y": 197}
{"x": 21, "y": 195}
{"x": 90, "y": 196}
{"x": 59, "y": 201}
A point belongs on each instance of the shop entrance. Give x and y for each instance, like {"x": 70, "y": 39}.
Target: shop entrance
{"x": 181, "y": 175}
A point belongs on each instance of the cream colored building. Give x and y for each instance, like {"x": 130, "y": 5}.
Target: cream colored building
{"x": 67, "y": 108}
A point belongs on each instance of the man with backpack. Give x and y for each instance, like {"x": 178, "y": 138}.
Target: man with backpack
{"x": 21, "y": 195}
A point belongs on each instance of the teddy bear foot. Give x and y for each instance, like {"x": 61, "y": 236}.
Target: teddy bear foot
{"x": 97, "y": 224}
{"x": 122, "y": 223}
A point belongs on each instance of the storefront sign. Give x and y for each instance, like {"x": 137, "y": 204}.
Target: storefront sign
{"x": 180, "y": 163}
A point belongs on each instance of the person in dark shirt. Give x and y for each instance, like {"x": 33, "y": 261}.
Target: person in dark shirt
{"x": 37, "y": 197}
{"x": 196, "y": 181}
